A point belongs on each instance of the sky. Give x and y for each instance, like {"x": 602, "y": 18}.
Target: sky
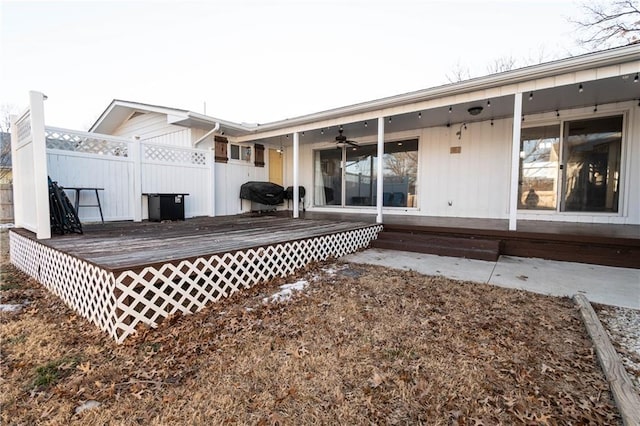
{"x": 259, "y": 61}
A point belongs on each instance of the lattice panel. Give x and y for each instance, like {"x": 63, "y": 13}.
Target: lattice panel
{"x": 24, "y": 127}
{"x": 174, "y": 155}
{"x": 85, "y": 288}
{"x": 154, "y": 293}
{"x": 68, "y": 141}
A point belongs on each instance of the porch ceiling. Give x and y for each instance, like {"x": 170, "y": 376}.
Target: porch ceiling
{"x": 598, "y": 92}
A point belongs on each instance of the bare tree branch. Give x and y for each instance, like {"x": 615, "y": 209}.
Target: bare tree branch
{"x": 609, "y": 24}
{"x": 458, "y": 73}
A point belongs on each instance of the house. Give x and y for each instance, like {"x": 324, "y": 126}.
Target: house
{"x": 558, "y": 141}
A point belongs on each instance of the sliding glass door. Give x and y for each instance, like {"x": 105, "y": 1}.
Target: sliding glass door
{"x": 592, "y": 165}
{"x": 584, "y": 174}
{"x": 358, "y": 179}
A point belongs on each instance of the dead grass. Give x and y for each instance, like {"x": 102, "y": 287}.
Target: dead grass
{"x": 360, "y": 345}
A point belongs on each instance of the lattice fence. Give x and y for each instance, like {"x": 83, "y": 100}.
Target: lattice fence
{"x": 119, "y": 304}
{"x": 85, "y": 143}
{"x": 84, "y": 287}
{"x": 174, "y": 154}
{"x": 24, "y": 127}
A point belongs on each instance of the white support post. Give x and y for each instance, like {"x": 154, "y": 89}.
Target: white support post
{"x": 296, "y": 170}
{"x": 379, "y": 192}
{"x": 212, "y": 181}
{"x": 40, "y": 173}
{"x": 136, "y": 196}
{"x": 515, "y": 161}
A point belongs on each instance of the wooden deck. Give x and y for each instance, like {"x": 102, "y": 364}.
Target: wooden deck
{"x": 117, "y": 246}
{"x": 602, "y": 244}
{"x": 122, "y": 275}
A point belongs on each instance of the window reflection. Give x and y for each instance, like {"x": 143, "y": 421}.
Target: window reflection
{"x": 400, "y": 165}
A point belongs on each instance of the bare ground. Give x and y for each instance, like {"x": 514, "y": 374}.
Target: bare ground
{"x": 359, "y": 345}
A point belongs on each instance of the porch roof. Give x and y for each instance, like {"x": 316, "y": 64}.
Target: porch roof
{"x": 606, "y": 77}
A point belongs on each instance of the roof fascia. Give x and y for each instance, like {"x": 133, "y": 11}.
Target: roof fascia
{"x": 507, "y": 78}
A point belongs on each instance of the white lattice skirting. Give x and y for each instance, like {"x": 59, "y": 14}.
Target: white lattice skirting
{"x": 118, "y": 303}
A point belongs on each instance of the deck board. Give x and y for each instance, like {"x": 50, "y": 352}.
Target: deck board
{"x": 128, "y": 245}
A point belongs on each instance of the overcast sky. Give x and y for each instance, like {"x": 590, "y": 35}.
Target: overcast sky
{"x": 260, "y": 60}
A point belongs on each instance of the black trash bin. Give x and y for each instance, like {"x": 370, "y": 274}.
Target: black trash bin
{"x": 166, "y": 207}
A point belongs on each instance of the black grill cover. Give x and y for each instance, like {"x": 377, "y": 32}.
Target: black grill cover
{"x": 262, "y": 192}
{"x": 288, "y": 193}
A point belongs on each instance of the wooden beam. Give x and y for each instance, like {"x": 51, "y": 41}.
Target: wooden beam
{"x": 626, "y": 398}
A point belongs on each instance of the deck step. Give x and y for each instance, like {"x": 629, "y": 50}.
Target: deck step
{"x": 470, "y": 248}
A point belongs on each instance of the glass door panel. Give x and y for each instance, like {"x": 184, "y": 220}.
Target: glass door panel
{"x": 539, "y": 155}
{"x": 360, "y": 175}
{"x": 592, "y": 151}
{"x": 328, "y": 177}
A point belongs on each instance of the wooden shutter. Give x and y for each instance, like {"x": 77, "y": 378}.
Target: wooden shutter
{"x": 221, "y": 149}
{"x": 259, "y": 149}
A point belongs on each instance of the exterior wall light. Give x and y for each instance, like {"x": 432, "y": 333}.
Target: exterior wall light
{"x": 475, "y": 110}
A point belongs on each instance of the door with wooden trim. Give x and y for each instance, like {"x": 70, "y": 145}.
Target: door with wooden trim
{"x": 275, "y": 167}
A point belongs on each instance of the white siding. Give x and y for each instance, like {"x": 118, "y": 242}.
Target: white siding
{"x": 229, "y": 178}
{"x": 153, "y": 127}
{"x": 476, "y": 181}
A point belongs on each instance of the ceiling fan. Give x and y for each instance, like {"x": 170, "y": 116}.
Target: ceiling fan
{"x": 341, "y": 140}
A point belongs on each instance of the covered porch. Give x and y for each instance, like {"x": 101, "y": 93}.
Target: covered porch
{"x": 555, "y": 142}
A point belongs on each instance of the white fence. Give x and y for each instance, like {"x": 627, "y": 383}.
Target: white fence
{"x": 28, "y": 157}
{"x": 125, "y": 169}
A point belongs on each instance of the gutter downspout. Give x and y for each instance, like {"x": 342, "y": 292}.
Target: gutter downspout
{"x": 209, "y": 133}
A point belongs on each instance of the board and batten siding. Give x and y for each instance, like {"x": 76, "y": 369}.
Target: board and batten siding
{"x": 229, "y": 178}
{"x": 476, "y": 181}
{"x": 152, "y": 127}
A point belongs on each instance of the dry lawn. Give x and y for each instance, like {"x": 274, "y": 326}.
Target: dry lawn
{"x": 359, "y": 345}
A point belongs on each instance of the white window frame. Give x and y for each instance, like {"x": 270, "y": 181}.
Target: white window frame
{"x": 241, "y": 148}
{"x": 609, "y": 110}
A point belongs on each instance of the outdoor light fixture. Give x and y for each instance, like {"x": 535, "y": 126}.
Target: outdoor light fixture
{"x": 492, "y": 121}
{"x": 595, "y": 108}
{"x": 389, "y": 119}
{"x": 635, "y": 79}
{"x": 531, "y": 96}
{"x": 450, "y": 109}
{"x": 522, "y": 117}
{"x": 459, "y": 132}
{"x": 322, "y": 131}
{"x": 489, "y": 104}
{"x": 365, "y": 124}
{"x": 475, "y": 110}
{"x": 557, "y": 113}
{"x": 420, "y": 114}
{"x": 580, "y": 88}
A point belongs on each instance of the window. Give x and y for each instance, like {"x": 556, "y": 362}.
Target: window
{"x": 592, "y": 164}
{"x": 582, "y": 171}
{"x": 358, "y": 178}
{"x": 240, "y": 152}
{"x": 539, "y": 155}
